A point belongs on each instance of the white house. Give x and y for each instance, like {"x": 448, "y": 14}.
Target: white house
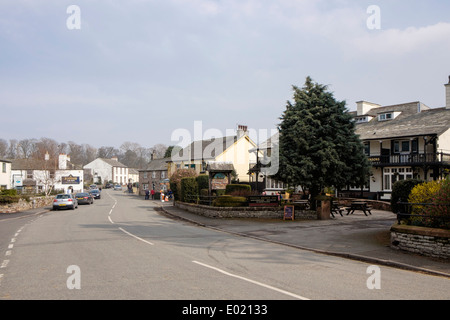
{"x": 105, "y": 170}
{"x": 5, "y": 174}
{"x": 35, "y": 175}
{"x": 232, "y": 149}
{"x": 403, "y": 141}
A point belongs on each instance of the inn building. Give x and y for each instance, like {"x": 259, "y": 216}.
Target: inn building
{"x": 403, "y": 141}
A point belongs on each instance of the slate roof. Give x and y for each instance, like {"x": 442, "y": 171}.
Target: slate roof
{"x": 410, "y": 123}
{"x": 37, "y": 164}
{"x": 113, "y": 163}
{"x": 219, "y": 166}
{"x": 207, "y": 149}
{"x": 157, "y": 165}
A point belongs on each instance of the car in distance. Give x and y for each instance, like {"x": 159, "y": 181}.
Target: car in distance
{"x": 95, "y": 193}
{"x": 84, "y": 197}
{"x": 117, "y": 187}
{"x": 65, "y": 200}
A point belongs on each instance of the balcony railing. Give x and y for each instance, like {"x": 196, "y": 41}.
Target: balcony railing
{"x": 411, "y": 159}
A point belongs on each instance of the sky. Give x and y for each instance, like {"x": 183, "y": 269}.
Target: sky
{"x": 111, "y": 71}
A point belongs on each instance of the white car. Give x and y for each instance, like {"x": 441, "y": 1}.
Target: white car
{"x": 117, "y": 187}
{"x": 65, "y": 200}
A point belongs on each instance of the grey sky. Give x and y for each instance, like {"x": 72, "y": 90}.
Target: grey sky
{"x": 138, "y": 70}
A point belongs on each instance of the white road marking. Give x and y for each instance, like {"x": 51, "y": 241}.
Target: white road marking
{"x": 109, "y": 217}
{"x": 130, "y": 234}
{"x": 252, "y": 281}
{"x": 11, "y": 246}
{"x": 8, "y": 253}
{"x": 4, "y": 264}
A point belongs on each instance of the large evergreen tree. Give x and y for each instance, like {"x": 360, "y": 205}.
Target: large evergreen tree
{"x": 318, "y": 146}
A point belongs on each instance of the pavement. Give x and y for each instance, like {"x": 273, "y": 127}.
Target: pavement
{"x": 356, "y": 236}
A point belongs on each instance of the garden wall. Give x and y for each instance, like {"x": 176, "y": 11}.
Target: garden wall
{"x": 22, "y": 205}
{"x": 243, "y": 212}
{"x": 430, "y": 242}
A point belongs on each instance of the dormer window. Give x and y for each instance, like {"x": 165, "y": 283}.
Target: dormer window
{"x": 363, "y": 119}
{"x": 385, "y": 116}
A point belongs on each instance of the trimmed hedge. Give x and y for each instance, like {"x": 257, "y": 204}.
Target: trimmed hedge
{"x": 230, "y": 188}
{"x": 230, "y": 201}
{"x": 189, "y": 187}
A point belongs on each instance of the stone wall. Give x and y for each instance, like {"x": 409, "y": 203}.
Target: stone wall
{"x": 23, "y": 205}
{"x": 243, "y": 212}
{"x": 426, "y": 241}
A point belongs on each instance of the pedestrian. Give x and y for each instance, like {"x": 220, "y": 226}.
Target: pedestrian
{"x": 147, "y": 194}
{"x": 153, "y": 194}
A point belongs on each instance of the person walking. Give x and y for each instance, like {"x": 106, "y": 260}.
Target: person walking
{"x": 153, "y": 194}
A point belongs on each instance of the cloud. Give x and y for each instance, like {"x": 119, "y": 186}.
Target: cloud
{"x": 396, "y": 42}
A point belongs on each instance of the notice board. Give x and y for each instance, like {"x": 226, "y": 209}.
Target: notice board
{"x": 288, "y": 212}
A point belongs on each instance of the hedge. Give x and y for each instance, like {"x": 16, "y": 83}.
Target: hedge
{"x": 400, "y": 192}
{"x": 230, "y": 188}
{"x": 189, "y": 187}
{"x": 230, "y": 201}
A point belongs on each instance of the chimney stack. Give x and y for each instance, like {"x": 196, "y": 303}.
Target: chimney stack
{"x": 447, "y": 94}
{"x": 362, "y": 107}
{"x": 241, "y": 131}
{"x": 62, "y": 165}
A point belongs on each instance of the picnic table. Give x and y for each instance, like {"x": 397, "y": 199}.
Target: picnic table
{"x": 303, "y": 204}
{"x": 359, "y": 205}
{"x": 336, "y": 208}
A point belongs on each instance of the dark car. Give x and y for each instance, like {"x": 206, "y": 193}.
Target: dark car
{"x": 84, "y": 197}
{"x": 95, "y": 193}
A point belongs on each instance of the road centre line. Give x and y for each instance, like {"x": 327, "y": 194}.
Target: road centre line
{"x": 136, "y": 237}
{"x": 109, "y": 217}
{"x": 252, "y": 281}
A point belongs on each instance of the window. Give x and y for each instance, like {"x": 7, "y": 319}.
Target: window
{"x": 145, "y": 176}
{"x": 392, "y": 175}
{"x": 4, "y": 167}
{"x": 163, "y": 174}
{"x": 367, "y": 148}
{"x": 153, "y": 174}
{"x": 384, "y": 116}
{"x": 29, "y": 174}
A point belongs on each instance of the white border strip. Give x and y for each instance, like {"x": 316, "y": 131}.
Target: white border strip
{"x": 253, "y": 281}
{"x": 130, "y": 234}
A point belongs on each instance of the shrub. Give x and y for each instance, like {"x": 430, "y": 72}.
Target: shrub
{"x": 189, "y": 187}
{"x": 230, "y": 188}
{"x": 230, "y": 201}
{"x": 8, "y": 192}
{"x": 400, "y": 193}
{"x": 175, "y": 180}
{"x": 441, "y": 206}
{"x": 423, "y": 193}
{"x": 203, "y": 182}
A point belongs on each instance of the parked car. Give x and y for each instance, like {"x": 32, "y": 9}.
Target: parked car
{"x": 95, "y": 193}
{"x": 65, "y": 200}
{"x": 93, "y": 186}
{"x": 117, "y": 187}
{"x": 84, "y": 197}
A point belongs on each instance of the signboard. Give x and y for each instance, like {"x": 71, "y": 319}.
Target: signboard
{"x": 70, "y": 180}
{"x": 18, "y": 181}
{"x": 288, "y": 212}
{"x": 263, "y": 201}
{"x": 219, "y": 181}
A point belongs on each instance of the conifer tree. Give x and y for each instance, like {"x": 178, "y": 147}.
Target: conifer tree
{"x": 318, "y": 146}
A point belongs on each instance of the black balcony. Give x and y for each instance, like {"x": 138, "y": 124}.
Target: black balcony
{"x": 412, "y": 159}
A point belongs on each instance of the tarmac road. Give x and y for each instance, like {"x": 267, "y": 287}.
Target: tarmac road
{"x": 125, "y": 249}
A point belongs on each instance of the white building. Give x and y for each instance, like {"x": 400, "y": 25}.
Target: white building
{"x": 34, "y": 175}
{"x": 404, "y": 141}
{"x": 5, "y": 174}
{"x": 105, "y": 170}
